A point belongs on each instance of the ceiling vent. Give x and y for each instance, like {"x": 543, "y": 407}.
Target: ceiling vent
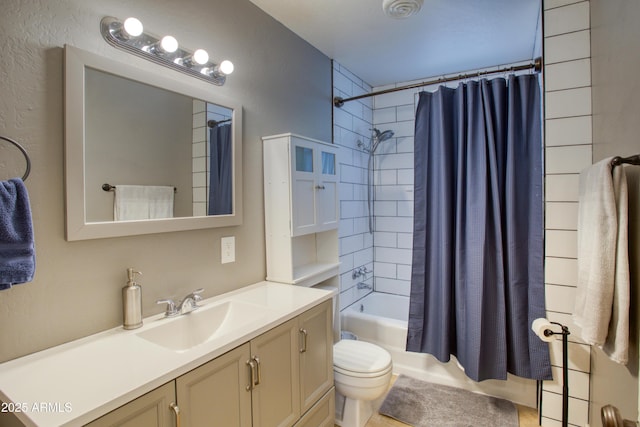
{"x": 401, "y": 9}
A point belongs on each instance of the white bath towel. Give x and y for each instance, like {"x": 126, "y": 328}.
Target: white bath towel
{"x": 134, "y": 202}
{"x": 603, "y": 294}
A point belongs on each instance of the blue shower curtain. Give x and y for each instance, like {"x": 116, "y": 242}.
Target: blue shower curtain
{"x": 221, "y": 164}
{"x": 477, "y": 275}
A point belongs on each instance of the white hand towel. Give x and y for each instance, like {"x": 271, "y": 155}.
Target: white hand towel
{"x": 603, "y": 294}
{"x": 135, "y": 202}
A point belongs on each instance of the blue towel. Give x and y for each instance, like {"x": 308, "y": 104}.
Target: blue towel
{"x": 17, "y": 249}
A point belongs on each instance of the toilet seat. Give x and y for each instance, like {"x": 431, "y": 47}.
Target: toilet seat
{"x": 360, "y": 359}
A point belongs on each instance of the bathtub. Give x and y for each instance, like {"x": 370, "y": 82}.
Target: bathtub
{"x": 381, "y": 318}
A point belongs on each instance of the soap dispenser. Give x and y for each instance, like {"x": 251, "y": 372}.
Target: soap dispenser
{"x": 132, "y": 302}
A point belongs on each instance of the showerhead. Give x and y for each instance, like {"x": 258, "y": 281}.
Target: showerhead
{"x": 379, "y": 137}
{"x": 382, "y": 136}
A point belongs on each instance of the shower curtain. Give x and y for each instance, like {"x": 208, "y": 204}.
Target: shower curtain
{"x": 220, "y": 177}
{"x": 477, "y": 274}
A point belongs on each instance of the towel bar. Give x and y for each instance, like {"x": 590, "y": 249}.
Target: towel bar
{"x": 109, "y": 187}
{"x": 632, "y": 160}
{"x": 24, "y": 152}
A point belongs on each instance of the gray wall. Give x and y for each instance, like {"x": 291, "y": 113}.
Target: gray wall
{"x": 284, "y": 85}
{"x": 615, "y": 42}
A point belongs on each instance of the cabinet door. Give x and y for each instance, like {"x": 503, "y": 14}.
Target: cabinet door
{"x": 314, "y": 187}
{"x": 316, "y": 353}
{"x": 322, "y": 414}
{"x": 327, "y": 189}
{"x": 216, "y": 393}
{"x": 150, "y": 410}
{"x": 303, "y": 189}
{"x": 276, "y": 397}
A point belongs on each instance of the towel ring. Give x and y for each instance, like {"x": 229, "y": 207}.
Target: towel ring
{"x": 24, "y": 152}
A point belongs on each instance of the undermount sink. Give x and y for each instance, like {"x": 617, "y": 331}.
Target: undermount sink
{"x": 204, "y": 324}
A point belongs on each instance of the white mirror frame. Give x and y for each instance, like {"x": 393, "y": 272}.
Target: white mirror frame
{"x": 76, "y": 226}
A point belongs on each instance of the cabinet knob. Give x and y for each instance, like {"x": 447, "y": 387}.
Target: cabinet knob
{"x": 319, "y": 187}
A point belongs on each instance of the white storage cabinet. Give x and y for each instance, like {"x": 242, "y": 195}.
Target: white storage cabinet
{"x": 302, "y": 210}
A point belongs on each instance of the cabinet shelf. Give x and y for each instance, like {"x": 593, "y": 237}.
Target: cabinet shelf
{"x": 309, "y": 274}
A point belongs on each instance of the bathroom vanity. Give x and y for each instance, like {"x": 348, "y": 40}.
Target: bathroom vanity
{"x": 257, "y": 356}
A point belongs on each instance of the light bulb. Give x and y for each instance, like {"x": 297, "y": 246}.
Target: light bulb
{"x": 133, "y": 27}
{"x": 200, "y": 56}
{"x": 226, "y": 67}
{"x": 169, "y": 44}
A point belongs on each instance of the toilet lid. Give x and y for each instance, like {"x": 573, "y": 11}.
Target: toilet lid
{"x": 360, "y": 357}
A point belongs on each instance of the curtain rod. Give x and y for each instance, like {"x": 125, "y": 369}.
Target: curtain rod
{"x": 214, "y": 123}
{"x": 536, "y": 65}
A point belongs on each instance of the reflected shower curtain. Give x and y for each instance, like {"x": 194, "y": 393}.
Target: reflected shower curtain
{"x": 221, "y": 164}
{"x": 477, "y": 276}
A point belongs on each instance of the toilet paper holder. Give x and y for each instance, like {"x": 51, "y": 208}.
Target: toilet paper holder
{"x": 542, "y": 328}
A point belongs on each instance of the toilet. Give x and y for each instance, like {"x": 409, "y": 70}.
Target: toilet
{"x": 361, "y": 372}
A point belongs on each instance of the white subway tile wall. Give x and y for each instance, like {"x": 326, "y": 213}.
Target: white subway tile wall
{"x": 570, "y": 159}
{"x": 568, "y": 142}
{"x": 393, "y": 239}
{"x": 568, "y": 103}
{"x": 568, "y": 131}
{"x": 561, "y": 215}
{"x": 561, "y": 187}
{"x": 561, "y": 243}
{"x": 565, "y": 17}
{"x": 566, "y": 47}
{"x": 567, "y": 75}
{"x": 352, "y": 124}
{"x": 199, "y": 158}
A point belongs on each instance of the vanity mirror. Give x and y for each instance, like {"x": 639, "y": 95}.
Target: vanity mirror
{"x": 128, "y": 126}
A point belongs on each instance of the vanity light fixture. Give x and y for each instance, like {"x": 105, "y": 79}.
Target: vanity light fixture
{"x": 223, "y": 69}
{"x": 169, "y": 44}
{"x": 132, "y": 27}
{"x": 200, "y": 56}
{"x": 129, "y": 36}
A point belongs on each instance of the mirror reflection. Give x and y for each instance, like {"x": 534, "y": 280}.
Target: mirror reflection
{"x": 152, "y": 153}
{"x": 146, "y": 151}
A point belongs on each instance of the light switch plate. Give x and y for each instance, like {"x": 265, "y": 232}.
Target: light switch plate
{"x": 228, "y": 249}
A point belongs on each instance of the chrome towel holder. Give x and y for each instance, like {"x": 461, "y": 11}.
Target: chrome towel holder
{"x": 24, "y": 152}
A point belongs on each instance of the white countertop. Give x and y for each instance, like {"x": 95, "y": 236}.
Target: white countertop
{"x": 77, "y": 382}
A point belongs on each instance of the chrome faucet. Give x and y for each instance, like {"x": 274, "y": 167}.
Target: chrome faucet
{"x": 187, "y": 305}
{"x": 362, "y": 285}
{"x": 360, "y": 271}
{"x": 190, "y": 302}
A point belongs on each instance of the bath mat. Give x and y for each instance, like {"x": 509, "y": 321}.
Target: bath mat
{"x": 423, "y": 404}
